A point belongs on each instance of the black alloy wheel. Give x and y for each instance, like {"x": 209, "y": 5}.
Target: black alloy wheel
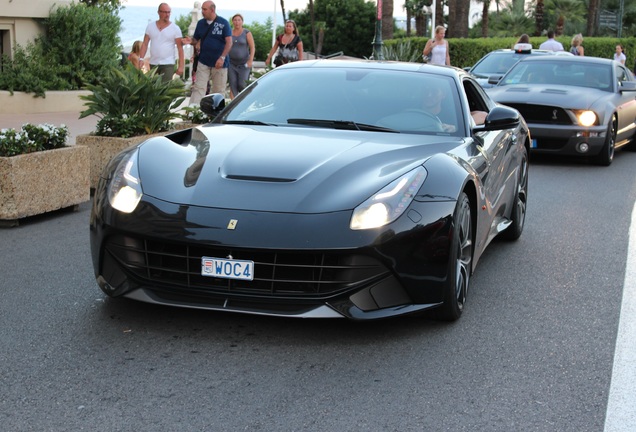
{"x": 460, "y": 263}
{"x": 518, "y": 214}
{"x": 606, "y": 156}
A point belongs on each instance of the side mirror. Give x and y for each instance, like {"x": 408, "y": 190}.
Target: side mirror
{"x": 494, "y": 79}
{"x": 627, "y": 86}
{"x": 499, "y": 118}
{"x": 212, "y": 104}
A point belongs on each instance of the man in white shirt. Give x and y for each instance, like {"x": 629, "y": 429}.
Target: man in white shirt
{"x": 551, "y": 44}
{"x": 163, "y": 35}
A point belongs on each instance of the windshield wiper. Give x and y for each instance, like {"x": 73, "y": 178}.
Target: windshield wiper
{"x": 340, "y": 124}
{"x": 249, "y": 122}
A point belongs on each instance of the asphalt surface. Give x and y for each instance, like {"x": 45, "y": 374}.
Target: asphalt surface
{"x": 533, "y": 351}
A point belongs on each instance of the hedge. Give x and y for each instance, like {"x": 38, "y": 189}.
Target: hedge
{"x": 466, "y": 52}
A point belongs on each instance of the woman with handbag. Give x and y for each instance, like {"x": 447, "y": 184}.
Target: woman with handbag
{"x": 288, "y": 46}
{"x": 436, "y": 49}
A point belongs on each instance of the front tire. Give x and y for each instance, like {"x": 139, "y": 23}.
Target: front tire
{"x": 460, "y": 262}
{"x": 518, "y": 214}
{"x": 606, "y": 156}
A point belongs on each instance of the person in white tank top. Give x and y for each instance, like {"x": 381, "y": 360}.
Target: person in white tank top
{"x": 437, "y": 48}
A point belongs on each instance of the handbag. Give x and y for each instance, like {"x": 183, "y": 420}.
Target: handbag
{"x": 425, "y": 58}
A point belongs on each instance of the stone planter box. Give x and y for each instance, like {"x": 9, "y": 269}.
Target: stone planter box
{"x": 103, "y": 149}
{"x": 40, "y": 182}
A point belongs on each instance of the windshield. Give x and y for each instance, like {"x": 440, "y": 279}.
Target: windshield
{"x": 597, "y": 76}
{"x": 498, "y": 63}
{"x": 378, "y": 100}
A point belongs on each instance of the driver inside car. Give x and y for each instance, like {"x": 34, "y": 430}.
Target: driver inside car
{"x": 433, "y": 103}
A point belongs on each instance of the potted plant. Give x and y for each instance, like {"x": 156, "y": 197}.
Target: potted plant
{"x": 132, "y": 105}
{"x": 39, "y": 172}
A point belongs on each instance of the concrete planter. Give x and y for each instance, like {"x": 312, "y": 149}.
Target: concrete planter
{"x": 40, "y": 182}
{"x": 103, "y": 149}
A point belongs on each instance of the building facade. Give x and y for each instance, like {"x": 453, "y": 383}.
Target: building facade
{"x": 19, "y": 21}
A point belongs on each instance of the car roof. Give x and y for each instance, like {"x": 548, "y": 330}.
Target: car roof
{"x": 532, "y": 51}
{"x": 573, "y": 58}
{"x": 376, "y": 64}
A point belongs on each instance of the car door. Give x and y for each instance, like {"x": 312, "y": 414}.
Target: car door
{"x": 495, "y": 161}
{"x": 626, "y": 104}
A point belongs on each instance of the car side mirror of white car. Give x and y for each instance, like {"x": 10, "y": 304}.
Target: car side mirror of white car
{"x": 627, "y": 86}
{"x": 494, "y": 79}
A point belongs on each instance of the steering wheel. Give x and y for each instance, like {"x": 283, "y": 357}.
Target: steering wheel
{"x": 413, "y": 120}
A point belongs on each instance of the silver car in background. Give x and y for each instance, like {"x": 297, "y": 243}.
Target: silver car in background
{"x": 578, "y": 106}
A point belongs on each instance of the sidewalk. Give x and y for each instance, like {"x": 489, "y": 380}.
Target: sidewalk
{"x": 71, "y": 119}
{"x": 76, "y": 126}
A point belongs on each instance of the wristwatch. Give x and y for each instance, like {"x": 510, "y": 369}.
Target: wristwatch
{"x": 222, "y": 57}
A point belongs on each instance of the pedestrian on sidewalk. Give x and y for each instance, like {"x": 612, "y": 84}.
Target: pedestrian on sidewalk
{"x": 213, "y": 40}
{"x": 162, "y": 36}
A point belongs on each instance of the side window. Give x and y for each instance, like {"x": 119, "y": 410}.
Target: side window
{"x": 476, "y": 102}
{"x": 623, "y": 74}
{"x": 620, "y": 74}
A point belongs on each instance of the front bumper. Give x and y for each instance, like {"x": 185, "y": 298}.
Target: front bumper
{"x": 567, "y": 139}
{"x": 306, "y": 266}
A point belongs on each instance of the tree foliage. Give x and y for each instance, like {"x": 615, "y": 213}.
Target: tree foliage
{"x": 77, "y": 47}
{"x": 86, "y": 39}
{"x": 348, "y": 26}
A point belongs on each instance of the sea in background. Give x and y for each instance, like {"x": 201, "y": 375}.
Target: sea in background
{"x": 135, "y": 19}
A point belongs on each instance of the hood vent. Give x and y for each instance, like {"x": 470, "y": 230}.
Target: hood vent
{"x": 259, "y": 179}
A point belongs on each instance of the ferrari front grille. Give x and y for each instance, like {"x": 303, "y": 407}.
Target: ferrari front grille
{"x": 177, "y": 268}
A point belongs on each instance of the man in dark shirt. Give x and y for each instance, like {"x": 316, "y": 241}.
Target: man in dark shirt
{"x": 213, "y": 40}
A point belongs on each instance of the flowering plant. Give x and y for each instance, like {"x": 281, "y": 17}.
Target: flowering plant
{"x": 32, "y": 138}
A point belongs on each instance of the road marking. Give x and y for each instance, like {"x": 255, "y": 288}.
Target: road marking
{"x": 621, "y": 404}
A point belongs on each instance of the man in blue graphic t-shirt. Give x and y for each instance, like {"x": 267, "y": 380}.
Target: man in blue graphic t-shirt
{"x": 213, "y": 40}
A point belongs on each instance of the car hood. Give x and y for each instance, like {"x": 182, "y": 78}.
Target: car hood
{"x": 279, "y": 169}
{"x": 550, "y": 95}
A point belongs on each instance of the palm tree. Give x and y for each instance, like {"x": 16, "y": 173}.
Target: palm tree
{"x": 538, "y": 17}
{"x": 458, "y": 11}
{"x": 387, "y": 19}
{"x": 484, "y": 18}
{"x": 592, "y": 15}
{"x": 574, "y": 10}
{"x": 416, "y": 8}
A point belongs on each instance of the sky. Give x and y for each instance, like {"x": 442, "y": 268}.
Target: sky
{"x": 258, "y": 5}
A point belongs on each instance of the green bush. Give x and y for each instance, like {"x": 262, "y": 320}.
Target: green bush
{"x": 130, "y": 102}
{"x": 84, "y": 38}
{"x": 79, "y": 45}
{"x": 32, "y": 138}
{"x": 466, "y": 52}
{"x": 31, "y": 71}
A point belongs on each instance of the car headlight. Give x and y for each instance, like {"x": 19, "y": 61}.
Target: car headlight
{"x": 124, "y": 190}
{"x": 586, "y": 118}
{"x": 389, "y": 203}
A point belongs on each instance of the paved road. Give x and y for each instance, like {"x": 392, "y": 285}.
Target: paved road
{"x": 533, "y": 352}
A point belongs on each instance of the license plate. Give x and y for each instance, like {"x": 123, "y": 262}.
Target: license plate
{"x": 227, "y": 268}
{"x": 534, "y": 143}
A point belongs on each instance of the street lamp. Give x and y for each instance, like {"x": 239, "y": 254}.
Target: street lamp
{"x": 377, "y": 40}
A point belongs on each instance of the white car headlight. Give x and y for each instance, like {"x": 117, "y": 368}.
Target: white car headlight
{"x": 389, "y": 203}
{"x": 586, "y": 118}
{"x": 124, "y": 190}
